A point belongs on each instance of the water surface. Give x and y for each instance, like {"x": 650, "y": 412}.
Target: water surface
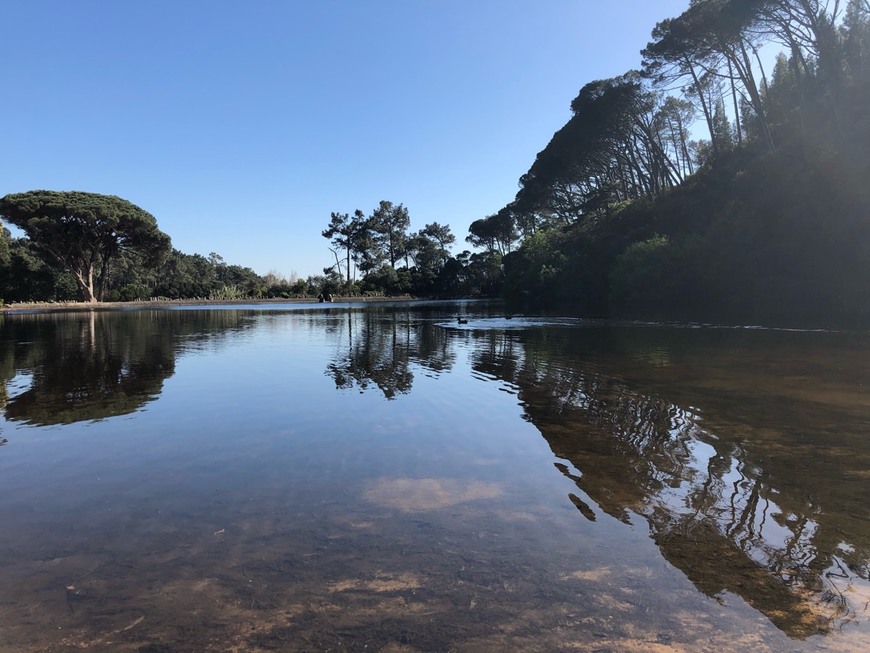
{"x": 390, "y": 477}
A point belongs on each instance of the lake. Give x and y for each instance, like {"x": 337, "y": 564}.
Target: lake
{"x": 432, "y": 476}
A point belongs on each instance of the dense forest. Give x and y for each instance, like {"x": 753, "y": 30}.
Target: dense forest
{"x": 725, "y": 179}
{"x": 761, "y": 216}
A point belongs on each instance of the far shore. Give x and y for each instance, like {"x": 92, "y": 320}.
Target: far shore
{"x": 50, "y": 307}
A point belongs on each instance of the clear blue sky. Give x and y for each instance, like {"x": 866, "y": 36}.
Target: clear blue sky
{"x": 241, "y": 125}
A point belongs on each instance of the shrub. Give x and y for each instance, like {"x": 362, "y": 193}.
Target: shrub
{"x": 639, "y": 275}
{"x": 133, "y": 292}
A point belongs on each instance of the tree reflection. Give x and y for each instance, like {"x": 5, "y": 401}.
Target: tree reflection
{"x": 736, "y": 514}
{"x": 90, "y": 366}
{"x": 747, "y": 489}
{"x": 379, "y": 348}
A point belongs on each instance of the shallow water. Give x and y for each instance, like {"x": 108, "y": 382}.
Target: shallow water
{"x": 351, "y": 477}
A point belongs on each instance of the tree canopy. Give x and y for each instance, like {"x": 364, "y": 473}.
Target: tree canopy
{"x": 763, "y": 216}
{"x": 85, "y": 232}
{"x": 377, "y": 245}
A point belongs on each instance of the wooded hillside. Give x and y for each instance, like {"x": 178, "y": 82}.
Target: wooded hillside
{"x": 759, "y": 211}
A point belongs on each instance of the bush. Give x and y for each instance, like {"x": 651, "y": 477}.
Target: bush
{"x": 639, "y": 275}
{"x": 226, "y": 292}
{"x": 134, "y": 292}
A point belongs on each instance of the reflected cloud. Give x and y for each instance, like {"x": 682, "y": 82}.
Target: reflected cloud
{"x": 748, "y": 473}
{"x": 382, "y": 583}
{"x": 424, "y": 494}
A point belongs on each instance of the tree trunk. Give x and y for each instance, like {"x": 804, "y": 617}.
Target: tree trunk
{"x": 708, "y": 115}
{"x": 85, "y": 280}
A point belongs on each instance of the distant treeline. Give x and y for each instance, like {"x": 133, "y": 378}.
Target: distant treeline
{"x": 28, "y": 273}
{"x": 767, "y": 216}
{"x": 712, "y": 183}
{"x": 84, "y": 246}
{"x": 377, "y": 253}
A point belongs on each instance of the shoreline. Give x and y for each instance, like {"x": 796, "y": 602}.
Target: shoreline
{"x": 57, "y": 307}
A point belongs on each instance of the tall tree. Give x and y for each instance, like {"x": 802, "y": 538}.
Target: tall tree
{"x": 712, "y": 41}
{"x": 496, "y": 233}
{"x": 429, "y": 249}
{"x": 442, "y": 235}
{"x": 390, "y": 224}
{"x": 84, "y": 232}
{"x": 856, "y": 38}
{"x": 676, "y": 54}
{"x": 344, "y": 233}
{"x": 673, "y": 119}
{"x": 366, "y": 249}
{"x": 611, "y": 150}
{"x": 5, "y": 236}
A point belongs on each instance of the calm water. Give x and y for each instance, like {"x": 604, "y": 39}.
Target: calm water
{"x": 386, "y": 478}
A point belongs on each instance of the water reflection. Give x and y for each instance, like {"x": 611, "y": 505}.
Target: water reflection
{"x": 377, "y": 347}
{"x": 742, "y": 455}
{"x": 61, "y": 368}
{"x": 740, "y": 505}
{"x": 736, "y": 477}
{"x": 374, "y": 354}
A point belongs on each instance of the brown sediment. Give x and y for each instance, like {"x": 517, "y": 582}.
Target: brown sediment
{"x": 318, "y": 586}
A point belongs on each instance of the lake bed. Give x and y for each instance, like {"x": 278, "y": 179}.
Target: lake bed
{"x": 429, "y": 476}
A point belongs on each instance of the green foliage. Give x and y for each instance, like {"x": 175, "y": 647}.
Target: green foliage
{"x": 4, "y": 245}
{"x": 495, "y": 233}
{"x": 134, "y": 292}
{"x": 28, "y": 274}
{"x": 374, "y": 247}
{"x": 561, "y": 267}
{"x": 65, "y": 287}
{"x": 767, "y": 220}
{"x": 656, "y": 278}
{"x": 328, "y": 283}
{"x": 286, "y": 289}
{"x": 197, "y": 276}
{"x": 31, "y": 275}
{"x": 225, "y": 292}
{"x": 384, "y": 280}
{"x": 389, "y": 226}
{"x": 85, "y": 232}
{"x": 352, "y": 235}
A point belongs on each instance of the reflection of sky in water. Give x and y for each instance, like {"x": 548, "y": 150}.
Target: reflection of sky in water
{"x": 745, "y": 513}
{"x": 19, "y": 383}
{"x": 356, "y": 454}
{"x": 764, "y": 537}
